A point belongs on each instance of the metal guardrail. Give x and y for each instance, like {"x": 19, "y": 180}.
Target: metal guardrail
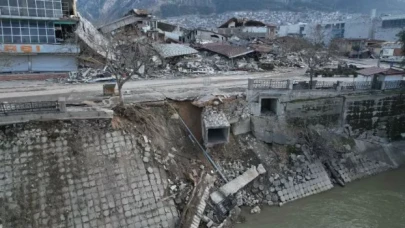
{"x": 28, "y": 107}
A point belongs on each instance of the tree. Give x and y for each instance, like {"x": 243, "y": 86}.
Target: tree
{"x": 315, "y": 54}
{"x": 128, "y": 53}
{"x": 124, "y": 53}
{"x": 401, "y": 38}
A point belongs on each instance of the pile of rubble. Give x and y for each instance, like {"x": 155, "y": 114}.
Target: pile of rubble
{"x": 283, "y": 60}
{"x": 274, "y": 189}
{"x": 205, "y": 63}
{"x": 89, "y": 75}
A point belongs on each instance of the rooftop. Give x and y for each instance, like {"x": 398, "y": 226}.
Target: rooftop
{"x": 172, "y": 50}
{"x": 377, "y": 70}
{"x": 242, "y": 22}
{"x": 227, "y": 50}
{"x": 360, "y": 39}
{"x": 139, "y": 12}
{"x": 393, "y": 17}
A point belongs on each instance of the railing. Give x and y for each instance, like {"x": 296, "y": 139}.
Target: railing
{"x": 394, "y": 85}
{"x": 267, "y": 84}
{"x": 28, "y": 107}
{"x": 363, "y": 85}
{"x": 325, "y": 85}
{"x": 262, "y": 84}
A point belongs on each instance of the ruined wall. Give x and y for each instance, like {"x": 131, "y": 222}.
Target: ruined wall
{"x": 376, "y": 116}
{"x": 272, "y": 129}
{"x": 382, "y": 116}
{"x": 79, "y": 174}
{"x": 325, "y": 111}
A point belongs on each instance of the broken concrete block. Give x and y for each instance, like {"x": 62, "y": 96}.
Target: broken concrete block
{"x": 235, "y": 185}
{"x": 256, "y": 210}
{"x": 145, "y": 159}
{"x": 215, "y": 127}
{"x": 261, "y": 169}
{"x": 241, "y": 127}
{"x": 150, "y": 170}
{"x": 175, "y": 116}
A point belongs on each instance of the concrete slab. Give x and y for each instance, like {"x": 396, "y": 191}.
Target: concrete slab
{"x": 70, "y": 114}
{"x": 235, "y": 185}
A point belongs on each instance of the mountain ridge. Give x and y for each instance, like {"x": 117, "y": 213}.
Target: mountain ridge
{"x": 103, "y": 11}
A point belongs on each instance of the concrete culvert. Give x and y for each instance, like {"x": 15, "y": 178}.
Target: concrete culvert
{"x": 268, "y": 106}
{"x": 218, "y": 136}
{"x": 216, "y": 127}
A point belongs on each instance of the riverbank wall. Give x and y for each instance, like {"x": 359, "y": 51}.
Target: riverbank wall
{"x": 79, "y": 173}
{"x": 330, "y": 138}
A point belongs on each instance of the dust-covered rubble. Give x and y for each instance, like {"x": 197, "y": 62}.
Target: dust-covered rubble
{"x": 214, "y": 118}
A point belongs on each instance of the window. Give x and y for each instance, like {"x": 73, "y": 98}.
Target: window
{"x": 397, "y": 23}
{"x": 3, "y": 2}
{"x": 32, "y": 8}
{"x": 12, "y": 2}
{"x": 26, "y": 32}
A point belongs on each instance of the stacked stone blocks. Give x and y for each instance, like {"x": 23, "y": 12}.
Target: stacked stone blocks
{"x": 58, "y": 179}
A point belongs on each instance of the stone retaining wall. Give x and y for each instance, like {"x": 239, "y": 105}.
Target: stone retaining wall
{"x": 317, "y": 182}
{"x": 354, "y": 166}
{"x": 79, "y": 174}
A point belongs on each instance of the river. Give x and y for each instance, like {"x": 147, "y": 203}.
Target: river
{"x": 374, "y": 202}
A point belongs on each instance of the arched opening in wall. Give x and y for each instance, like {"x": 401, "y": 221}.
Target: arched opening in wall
{"x": 191, "y": 115}
{"x": 215, "y": 36}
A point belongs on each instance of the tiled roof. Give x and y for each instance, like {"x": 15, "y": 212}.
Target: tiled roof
{"x": 171, "y": 50}
{"x": 227, "y": 50}
{"x": 377, "y": 70}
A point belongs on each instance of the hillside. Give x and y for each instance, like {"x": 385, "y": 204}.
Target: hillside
{"x": 102, "y": 11}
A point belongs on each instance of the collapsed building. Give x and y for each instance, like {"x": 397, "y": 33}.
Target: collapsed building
{"x": 140, "y": 19}
{"x": 247, "y": 29}
{"x": 38, "y": 36}
{"x": 359, "y": 47}
{"x": 392, "y": 52}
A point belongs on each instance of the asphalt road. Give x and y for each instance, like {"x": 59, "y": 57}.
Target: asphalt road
{"x": 146, "y": 90}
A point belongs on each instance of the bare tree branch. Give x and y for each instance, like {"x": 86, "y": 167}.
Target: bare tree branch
{"x": 128, "y": 53}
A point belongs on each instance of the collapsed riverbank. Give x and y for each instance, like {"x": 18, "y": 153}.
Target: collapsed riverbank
{"x": 371, "y": 202}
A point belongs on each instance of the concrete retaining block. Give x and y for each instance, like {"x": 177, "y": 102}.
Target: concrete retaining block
{"x": 241, "y": 127}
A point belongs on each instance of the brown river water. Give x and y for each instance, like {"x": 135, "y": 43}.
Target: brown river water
{"x": 374, "y": 202}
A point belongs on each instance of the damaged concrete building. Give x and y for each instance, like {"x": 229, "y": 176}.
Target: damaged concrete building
{"x": 38, "y": 36}
{"x": 203, "y": 36}
{"x": 247, "y": 29}
{"x": 171, "y": 33}
{"x": 139, "y": 19}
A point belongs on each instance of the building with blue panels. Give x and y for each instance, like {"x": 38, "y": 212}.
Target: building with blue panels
{"x": 38, "y": 36}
